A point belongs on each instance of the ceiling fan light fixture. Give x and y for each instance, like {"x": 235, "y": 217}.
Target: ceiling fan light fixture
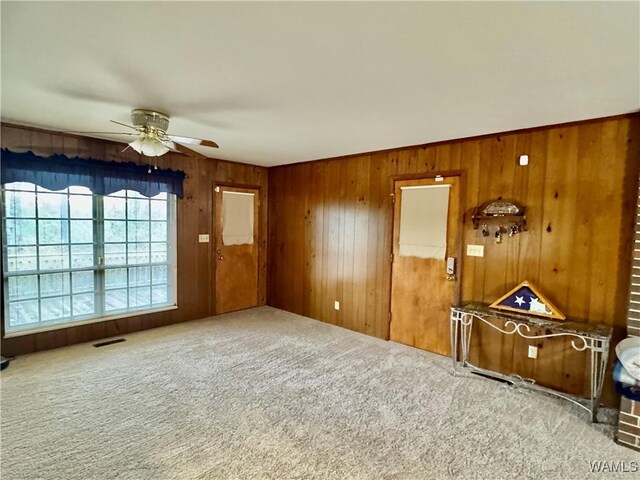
{"x": 152, "y": 139}
{"x": 149, "y": 146}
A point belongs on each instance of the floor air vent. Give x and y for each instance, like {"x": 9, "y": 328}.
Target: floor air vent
{"x": 109, "y": 342}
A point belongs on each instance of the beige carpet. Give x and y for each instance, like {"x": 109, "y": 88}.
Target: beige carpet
{"x": 268, "y": 394}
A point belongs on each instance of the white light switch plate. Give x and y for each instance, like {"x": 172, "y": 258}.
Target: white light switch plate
{"x": 533, "y": 351}
{"x": 475, "y": 250}
{"x": 203, "y": 238}
{"x": 336, "y": 305}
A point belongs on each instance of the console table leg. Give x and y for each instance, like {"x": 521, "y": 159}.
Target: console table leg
{"x": 594, "y": 386}
{"x": 599, "y": 356}
{"x": 467, "y": 324}
{"x": 454, "y": 341}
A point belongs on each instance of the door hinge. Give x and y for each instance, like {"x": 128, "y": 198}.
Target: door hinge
{"x": 391, "y": 258}
{"x": 389, "y": 317}
{"x": 393, "y": 197}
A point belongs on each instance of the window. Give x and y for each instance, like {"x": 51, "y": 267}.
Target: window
{"x": 72, "y": 256}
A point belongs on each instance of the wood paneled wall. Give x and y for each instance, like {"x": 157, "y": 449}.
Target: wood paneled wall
{"x": 330, "y": 233}
{"x": 195, "y": 215}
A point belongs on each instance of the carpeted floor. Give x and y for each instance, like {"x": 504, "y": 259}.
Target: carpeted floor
{"x": 268, "y": 394}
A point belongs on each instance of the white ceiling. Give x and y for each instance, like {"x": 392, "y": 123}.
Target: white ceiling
{"x": 277, "y": 83}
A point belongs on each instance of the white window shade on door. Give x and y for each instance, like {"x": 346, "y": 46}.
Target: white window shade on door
{"x": 423, "y": 221}
{"x": 237, "y": 218}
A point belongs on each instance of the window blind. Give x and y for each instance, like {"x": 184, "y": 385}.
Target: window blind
{"x": 423, "y": 221}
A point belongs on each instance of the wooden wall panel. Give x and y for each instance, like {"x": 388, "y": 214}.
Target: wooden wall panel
{"x": 195, "y": 215}
{"x": 330, "y": 233}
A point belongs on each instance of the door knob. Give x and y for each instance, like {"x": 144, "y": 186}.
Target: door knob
{"x": 220, "y": 257}
{"x": 218, "y": 252}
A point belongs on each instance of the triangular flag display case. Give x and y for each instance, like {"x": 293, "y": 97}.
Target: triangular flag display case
{"x": 526, "y": 298}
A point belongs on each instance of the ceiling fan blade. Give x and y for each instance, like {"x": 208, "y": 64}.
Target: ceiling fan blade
{"x": 188, "y": 151}
{"x": 124, "y": 124}
{"x": 101, "y": 133}
{"x": 170, "y": 145}
{"x": 193, "y": 141}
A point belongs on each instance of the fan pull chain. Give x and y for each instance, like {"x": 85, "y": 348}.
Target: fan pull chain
{"x": 155, "y": 165}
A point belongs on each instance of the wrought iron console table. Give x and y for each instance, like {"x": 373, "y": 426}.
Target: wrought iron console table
{"x": 592, "y": 337}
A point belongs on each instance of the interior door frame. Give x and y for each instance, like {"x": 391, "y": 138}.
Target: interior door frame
{"x": 212, "y": 237}
{"x": 457, "y": 249}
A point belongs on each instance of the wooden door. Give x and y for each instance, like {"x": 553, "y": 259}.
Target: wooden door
{"x": 421, "y": 290}
{"x": 236, "y": 257}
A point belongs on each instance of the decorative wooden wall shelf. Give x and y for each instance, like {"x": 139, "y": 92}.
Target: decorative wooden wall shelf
{"x": 510, "y": 216}
{"x": 505, "y": 211}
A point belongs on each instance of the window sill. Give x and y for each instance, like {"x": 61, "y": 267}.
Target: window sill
{"x": 60, "y": 326}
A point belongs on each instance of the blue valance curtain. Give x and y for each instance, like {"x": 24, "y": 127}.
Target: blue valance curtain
{"x": 103, "y": 178}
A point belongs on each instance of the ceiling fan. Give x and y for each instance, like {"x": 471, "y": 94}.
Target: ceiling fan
{"x": 151, "y": 137}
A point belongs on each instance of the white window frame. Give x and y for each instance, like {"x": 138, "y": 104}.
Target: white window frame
{"x": 98, "y": 268}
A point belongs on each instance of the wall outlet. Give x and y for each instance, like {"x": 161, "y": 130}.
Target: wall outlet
{"x": 203, "y": 238}
{"x": 336, "y": 305}
{"x": 533, "y": 351}
{"x": 475, "y": 250}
